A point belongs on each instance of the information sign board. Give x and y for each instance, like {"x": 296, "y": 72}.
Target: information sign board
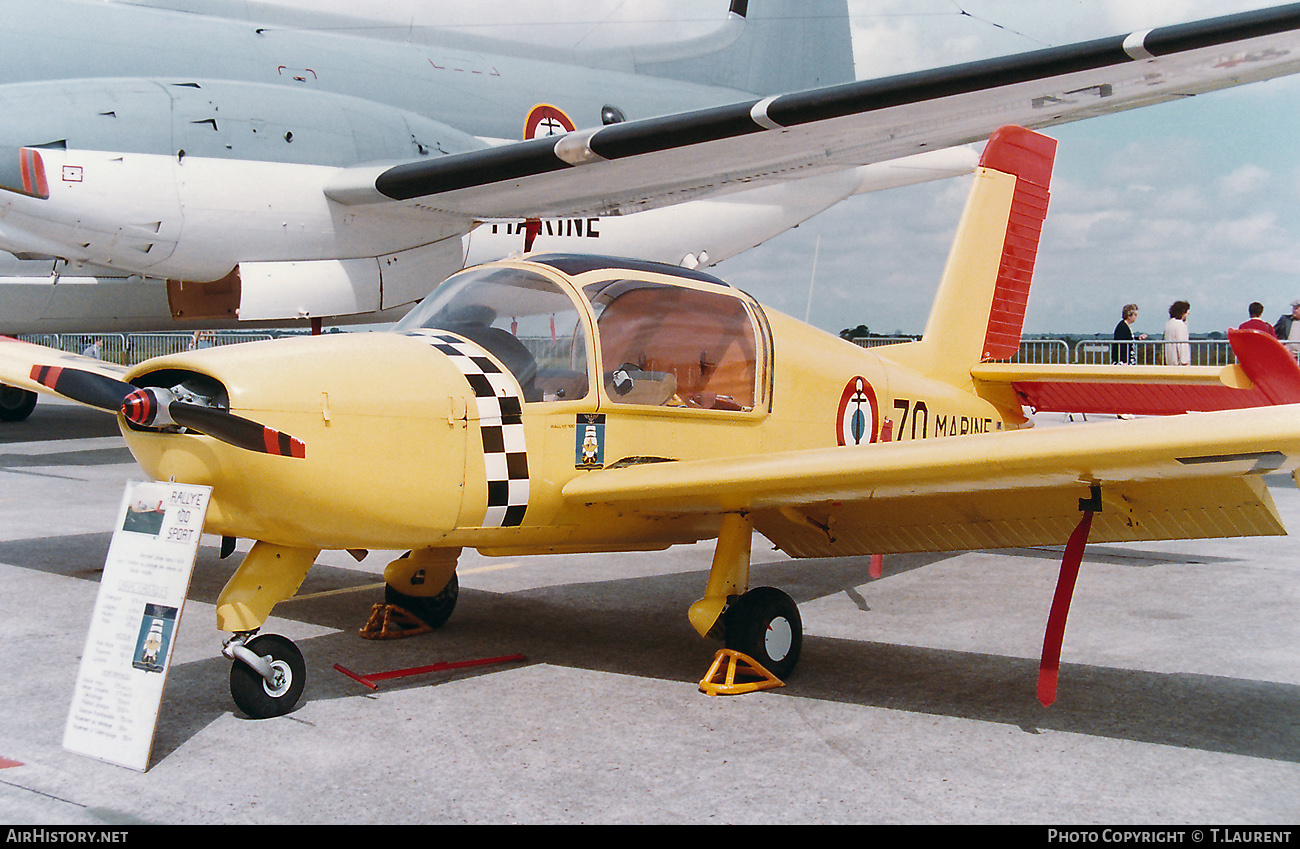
{"x": 133, "y": 628}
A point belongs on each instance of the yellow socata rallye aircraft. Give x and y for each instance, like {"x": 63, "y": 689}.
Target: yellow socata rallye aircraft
{"x": 564, "y": 403}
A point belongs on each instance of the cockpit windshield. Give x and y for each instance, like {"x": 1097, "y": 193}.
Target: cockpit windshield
{"x": 520, "y": 317}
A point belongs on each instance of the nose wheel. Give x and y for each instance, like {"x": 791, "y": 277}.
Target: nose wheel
{"x": 764, "y": 623}
{"x": 267, "y": 676}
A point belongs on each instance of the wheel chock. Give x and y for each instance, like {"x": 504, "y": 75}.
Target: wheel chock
{"x": 390, "y": 622}
{"x": 730, "y": 665}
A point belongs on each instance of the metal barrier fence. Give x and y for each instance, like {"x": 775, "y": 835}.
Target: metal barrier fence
{"x": 130, "y": 348}
{"x": 1151, "y": 352}
{"x": 1204, "y": 352}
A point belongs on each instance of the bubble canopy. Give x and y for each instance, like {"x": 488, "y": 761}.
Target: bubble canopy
{"x": 661, "y": 342}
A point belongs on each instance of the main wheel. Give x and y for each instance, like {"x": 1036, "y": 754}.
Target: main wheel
{"x": 764, "y": 623}
{"x": 434, "y": 610}
{"x": 16, "y": 404}
{"x": 256, "y": 696}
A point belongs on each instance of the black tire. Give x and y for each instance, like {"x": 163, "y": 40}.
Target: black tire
{"x": 764, "y": 623}
{"x": 433, "y": 611}
{"x": 16, "y": 404}
{"x": 253, "y": 694}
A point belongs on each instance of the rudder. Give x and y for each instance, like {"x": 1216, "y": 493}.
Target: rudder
{"x": 979, "y": 310}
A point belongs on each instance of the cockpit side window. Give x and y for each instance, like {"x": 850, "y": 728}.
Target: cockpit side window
{"x": 521, "y": 318}
{"x": 675, "y": 346}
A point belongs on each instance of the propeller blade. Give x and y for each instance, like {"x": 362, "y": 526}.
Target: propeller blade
{"x": 84, "y": 387}
{"x": 236, "y": 430}
{"x": 156, "y": 407}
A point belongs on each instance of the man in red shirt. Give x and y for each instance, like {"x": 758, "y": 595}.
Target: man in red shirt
{"x": 1257, "y": 323}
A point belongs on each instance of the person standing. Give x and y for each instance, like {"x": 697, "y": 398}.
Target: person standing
{"x": 1257, "y": 323}
{"x": 1126, "y": 354}
{"x": 1284, "y": 330}
{"x": 1178, "y": 350}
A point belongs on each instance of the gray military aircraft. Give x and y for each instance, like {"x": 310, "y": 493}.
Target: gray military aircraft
{"x": 203, "y": 162}
{"x": 177, "y": 154}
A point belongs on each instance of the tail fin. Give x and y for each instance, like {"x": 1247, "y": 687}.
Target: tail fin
{"x": 979, "y": 310}
{"x": 784, "y": 45}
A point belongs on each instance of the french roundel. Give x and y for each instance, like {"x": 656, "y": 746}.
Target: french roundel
{"x": 858, "y": 417}
{"x": 546, "y": 120}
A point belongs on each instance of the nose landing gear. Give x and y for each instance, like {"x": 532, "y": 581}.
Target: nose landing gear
{"x": 267, "y": 675}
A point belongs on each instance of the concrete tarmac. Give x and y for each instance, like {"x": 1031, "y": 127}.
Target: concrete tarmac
{"x": 914, "y": 701}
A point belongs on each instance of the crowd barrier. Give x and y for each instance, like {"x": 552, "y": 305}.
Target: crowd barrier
{"x": 132, "y": 348}
{"x": 1204, "y": 352}
{"x": 129, "y": 349}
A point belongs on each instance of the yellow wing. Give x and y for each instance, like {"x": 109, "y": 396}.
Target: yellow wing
{"x": 37, "y": 368}
{"x": 1189, "y": 476}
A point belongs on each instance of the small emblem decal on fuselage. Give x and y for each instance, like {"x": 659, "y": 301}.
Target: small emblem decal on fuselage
{"x": 546, "y": 120}
{"x": 858, "y": 418}
{"x": 589, "y": 452}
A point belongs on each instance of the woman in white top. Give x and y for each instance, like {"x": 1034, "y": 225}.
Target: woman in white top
{"x": 1178, "y": 352}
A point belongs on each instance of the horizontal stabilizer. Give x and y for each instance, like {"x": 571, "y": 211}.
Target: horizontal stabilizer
{"x": 1265, "y": 375}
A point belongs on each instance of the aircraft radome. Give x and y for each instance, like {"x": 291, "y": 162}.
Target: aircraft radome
{"x": 571, "y": 403}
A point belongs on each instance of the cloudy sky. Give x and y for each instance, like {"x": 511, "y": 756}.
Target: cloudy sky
{"x": 1195, "y": 200}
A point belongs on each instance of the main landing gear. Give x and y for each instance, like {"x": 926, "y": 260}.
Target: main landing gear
{"x": 15, "y": 404}
{"x": 764, "y": 622}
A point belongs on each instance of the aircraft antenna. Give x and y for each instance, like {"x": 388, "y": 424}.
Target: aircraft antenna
{"x": 812, "y": 277}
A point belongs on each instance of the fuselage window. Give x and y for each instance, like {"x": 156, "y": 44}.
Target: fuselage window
{"x": 674, "y": 345}
{"x": 522, "y": 319}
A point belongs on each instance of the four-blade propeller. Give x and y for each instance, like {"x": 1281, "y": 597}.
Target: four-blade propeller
{"x": 158, "y": 407}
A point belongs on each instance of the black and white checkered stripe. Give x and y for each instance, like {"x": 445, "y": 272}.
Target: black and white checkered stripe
{"x": 500, "y": 420}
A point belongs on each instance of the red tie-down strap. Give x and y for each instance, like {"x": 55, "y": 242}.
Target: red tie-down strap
{"x": 1050, "y": 666}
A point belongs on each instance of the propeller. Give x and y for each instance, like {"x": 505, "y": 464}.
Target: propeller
{"x": 158, "y": 407}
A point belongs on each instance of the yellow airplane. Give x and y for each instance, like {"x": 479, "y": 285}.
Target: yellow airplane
{"x": 567, "y": 403}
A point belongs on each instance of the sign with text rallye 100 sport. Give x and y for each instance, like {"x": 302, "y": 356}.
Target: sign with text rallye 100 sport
{"x": 133, "y": 627}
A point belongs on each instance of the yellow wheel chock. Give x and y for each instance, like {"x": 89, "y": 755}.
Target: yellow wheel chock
{"x": 722, "y": 681}
{"x": 390, "y": 622}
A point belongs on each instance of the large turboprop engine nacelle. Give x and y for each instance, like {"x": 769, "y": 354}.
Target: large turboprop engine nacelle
{"x": 186, "y": 179}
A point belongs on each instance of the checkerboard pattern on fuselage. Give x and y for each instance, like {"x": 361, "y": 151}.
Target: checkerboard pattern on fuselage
{"x": 500, "y": 408}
